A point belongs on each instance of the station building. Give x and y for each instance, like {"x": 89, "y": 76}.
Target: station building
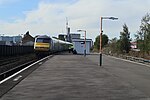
{"x": 78, "y": 42}
{"x": 79, "y": 45}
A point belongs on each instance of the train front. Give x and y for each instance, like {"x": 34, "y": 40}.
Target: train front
{"x": 42, "y": 45}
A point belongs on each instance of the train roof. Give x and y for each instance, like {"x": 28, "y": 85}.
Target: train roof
{"x": 54, "y": 39}
{"x": 61, "y": 41}
{"x": 43, "y": 36}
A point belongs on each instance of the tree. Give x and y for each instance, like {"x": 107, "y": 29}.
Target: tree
{"x": 124, "y": 42}
{"x": 104, "y": 41}
{"x": 113, "y": 45}
{"x": 143, "y": 35}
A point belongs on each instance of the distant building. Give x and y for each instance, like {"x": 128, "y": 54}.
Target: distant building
{"x": 28, "y": 39}
{"x": 0, "y": 38}
{"x": 62, "y": 36}
{"x": 10, "y": 40}
{"x": 79, "y": 43}
{"x": 68, "y": 37}
{"x": 133, "y": 45}
{"x": 75, "y": 36}
{"x": 6, "y": 43}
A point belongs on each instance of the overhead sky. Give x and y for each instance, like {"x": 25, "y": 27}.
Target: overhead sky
{"x": 48, "y": 17}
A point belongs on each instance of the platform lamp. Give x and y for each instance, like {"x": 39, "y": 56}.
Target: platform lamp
{"x": 84, "y": 40}
{"x": 101, "y": 31}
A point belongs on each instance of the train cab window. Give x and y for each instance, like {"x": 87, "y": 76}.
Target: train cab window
{"x": 43, "y": 40}
{"x": 47, "y": 40}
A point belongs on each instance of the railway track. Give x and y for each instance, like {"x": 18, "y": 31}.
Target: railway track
{"x": 11, "y": 65}
{"x": 9, "y": 72}
{"x": 11, "y": 62}
{"x": 11, "y": 77}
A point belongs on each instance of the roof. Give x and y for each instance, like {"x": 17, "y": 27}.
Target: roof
{"x": 81, "y": 40}
{"x": 27, "y": 37}
{"x": 43, "y": 36}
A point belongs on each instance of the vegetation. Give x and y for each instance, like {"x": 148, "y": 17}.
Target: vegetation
{"x": 104, "y": 41}
{"x": 124, "y": 42}
{"x": 122, "y": 45}
{"x": 143, "y": 35}
{"x": 113, "y": 46}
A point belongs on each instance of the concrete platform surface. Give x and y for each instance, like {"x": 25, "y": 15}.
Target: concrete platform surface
{"x": 72, "y": 77}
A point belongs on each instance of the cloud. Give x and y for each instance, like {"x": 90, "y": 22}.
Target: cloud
{"x": 43, "y": 20}
{"x": 49, "y": 18}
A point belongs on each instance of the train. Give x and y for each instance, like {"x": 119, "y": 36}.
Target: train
{"x": 45, "y": 45}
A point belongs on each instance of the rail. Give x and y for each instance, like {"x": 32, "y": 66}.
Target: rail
{"x": 14, "y": 70}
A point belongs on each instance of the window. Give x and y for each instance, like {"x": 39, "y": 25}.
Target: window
{"x": 43, "y": 40}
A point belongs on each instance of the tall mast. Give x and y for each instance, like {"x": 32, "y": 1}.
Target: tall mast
{"x": 66, "y": 24}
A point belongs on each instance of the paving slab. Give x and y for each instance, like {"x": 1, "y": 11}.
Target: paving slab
{"x": 73, "y": 77}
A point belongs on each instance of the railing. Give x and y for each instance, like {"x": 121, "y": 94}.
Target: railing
{"x": 140, "y": 60}
{"x": 15, "y": 50}
{"x": 135, "y": 59}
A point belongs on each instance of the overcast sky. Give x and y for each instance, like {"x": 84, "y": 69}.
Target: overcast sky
{"x": 49, "y": 16}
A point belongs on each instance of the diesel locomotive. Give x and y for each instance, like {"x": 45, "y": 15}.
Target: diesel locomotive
{"x": 45, "y": 45}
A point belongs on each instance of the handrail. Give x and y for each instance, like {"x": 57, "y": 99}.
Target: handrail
{"x": 131, "y": 58}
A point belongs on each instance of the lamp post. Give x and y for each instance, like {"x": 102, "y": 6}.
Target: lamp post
{"x": 101, "y": 31}
{"x": 84, "y": 40}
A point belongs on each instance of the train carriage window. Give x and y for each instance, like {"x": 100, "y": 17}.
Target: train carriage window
{"x": 43, "y": 40}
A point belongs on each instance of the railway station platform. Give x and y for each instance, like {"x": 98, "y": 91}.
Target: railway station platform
{"x": 72, "y": 77}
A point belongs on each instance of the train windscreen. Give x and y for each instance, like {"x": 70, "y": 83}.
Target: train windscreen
{"x": 43, "y": 40}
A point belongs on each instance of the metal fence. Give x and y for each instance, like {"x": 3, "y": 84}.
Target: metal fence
{"x": 135, "y": 59}
{"x": 140, "y": 60}
{"x": 15, "y": 50}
